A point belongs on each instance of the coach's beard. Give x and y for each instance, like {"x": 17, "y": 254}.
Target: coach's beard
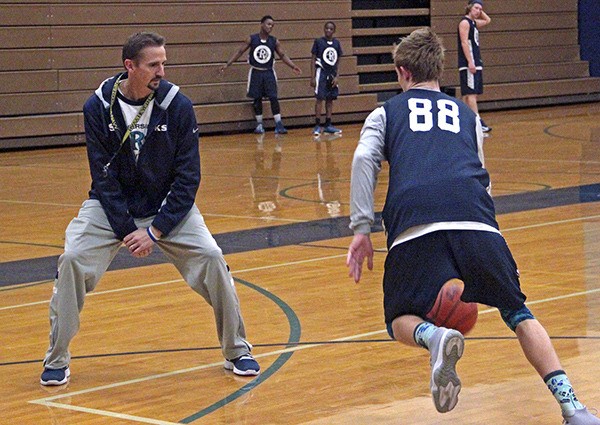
{"x": 153, "y": 84}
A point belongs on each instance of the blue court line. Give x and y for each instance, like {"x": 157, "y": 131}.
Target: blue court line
{"x": 294, "y": 337}
{"x": 549, "y": 132}
{"x": 39, "y": 269}
{"x": 286, "y": 192}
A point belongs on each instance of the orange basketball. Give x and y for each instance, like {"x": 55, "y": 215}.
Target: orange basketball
{"x": 450, "y": 312}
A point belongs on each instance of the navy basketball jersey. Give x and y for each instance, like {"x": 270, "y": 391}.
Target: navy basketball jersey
{"x": 262, "y": 53}
{"x": 473, "y": 46}
{"x": 328, "y": 53}
{"x": 435, "y": 172}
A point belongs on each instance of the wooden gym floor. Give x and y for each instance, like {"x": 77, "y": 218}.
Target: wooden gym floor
{"x": 147, "y": 350}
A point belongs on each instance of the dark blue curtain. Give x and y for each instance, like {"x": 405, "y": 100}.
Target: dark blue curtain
{"x": 589, "y": 34}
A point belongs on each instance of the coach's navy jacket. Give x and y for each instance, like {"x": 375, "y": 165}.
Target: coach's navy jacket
{"x": 166, "y": 177}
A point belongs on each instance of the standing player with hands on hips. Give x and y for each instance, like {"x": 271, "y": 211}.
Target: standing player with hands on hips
{"x": 142, "y": 143}
{"x": 440, "y": 223}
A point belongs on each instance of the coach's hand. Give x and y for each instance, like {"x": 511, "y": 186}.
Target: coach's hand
{"x": 360, "y": 247}
{"x": 139, "y": 243}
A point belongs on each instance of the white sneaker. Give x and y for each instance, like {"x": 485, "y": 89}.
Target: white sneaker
{"x": 446, "y": 347}
{"x": 581, "y": 417}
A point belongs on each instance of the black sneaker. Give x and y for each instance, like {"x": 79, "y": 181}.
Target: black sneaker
{"x": 55, "y": 376}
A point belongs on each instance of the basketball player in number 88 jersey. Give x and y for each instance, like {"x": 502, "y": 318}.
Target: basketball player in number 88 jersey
{"x": 441, "y": 224}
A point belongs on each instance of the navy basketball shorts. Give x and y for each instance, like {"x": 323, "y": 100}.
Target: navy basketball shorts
{"x": 262, "y": 84}
{"x": 416, "y": 270}
{"x": 323, "y": 91}
{"x": 471, "y": 83}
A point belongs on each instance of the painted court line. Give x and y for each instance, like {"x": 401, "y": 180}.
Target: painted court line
{"x": 107, "y": 413}
{"x": 168, "y": 282}
{"x": 245, "y": 217}
{"x": 50, "y": 401}
{"x": 290, "y": 263}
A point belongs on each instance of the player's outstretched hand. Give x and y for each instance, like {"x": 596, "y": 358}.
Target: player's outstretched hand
{"x": 360, "y": 247}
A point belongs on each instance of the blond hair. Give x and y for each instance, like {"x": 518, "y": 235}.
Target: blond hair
{"x": 421, "y": 53}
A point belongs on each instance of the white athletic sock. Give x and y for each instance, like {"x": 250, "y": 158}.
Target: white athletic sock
{"x": 277, "y": 117}
{"x": 559, "y": 385}
{"x": 423, "y": 332}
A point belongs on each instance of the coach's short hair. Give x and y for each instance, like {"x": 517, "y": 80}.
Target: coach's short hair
{"x": 264, "y": 18}
{"x": 138, "y": 41}
{"x": 422, "y": 53}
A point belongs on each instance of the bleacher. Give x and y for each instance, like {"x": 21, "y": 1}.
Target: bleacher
{"x": 56, "y": 52}
{"x": 530, "y": 50}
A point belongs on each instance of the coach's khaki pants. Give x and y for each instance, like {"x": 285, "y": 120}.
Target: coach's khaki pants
{"x": 91, "y": 245}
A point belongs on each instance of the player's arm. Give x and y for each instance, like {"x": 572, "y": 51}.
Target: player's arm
{"x": 339, "y": 61}
{"x": 335, "y": 79}
{"x": 366, "y": 166}
{"x": 286, "y": 59}
{"x": 483, "y": 20}
{"x": 313, "y": 63}
{"x": 237, "y": 54}
{"x": 313, "y": 71}
{"x": 463, "y": 32}
{"x": 479, "y": 132}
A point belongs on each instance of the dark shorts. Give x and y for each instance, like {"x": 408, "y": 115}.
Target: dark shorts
{"x": 471, "y": 83}
{"x": 324, "y": 91}
{"x": 262, "y": 84}
{"x": 416, "y": 270}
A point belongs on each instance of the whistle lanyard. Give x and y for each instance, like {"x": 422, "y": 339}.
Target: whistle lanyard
{"x": 113, "y": 98}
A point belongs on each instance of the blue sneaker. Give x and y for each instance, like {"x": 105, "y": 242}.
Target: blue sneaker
{"x": 259, "y": 129}
{"x": 244, "y": 365}
{"x": 332, "y": 130}
{"x": 55, "y": 376}
{"x": 317, "y": 130}
{"x": 279, "y": 128}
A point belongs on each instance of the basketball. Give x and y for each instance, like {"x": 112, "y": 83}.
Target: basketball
{"x": 450, "y": 312}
